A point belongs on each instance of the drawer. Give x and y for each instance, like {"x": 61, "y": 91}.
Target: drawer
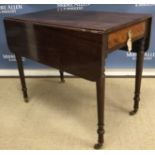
{"x": 121, "y": 36}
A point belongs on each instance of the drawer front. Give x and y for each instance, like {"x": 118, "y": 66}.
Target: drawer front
{"x": 121, "y": 36}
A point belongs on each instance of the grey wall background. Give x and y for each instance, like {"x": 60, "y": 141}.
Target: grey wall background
{"x": 117, "y": 60}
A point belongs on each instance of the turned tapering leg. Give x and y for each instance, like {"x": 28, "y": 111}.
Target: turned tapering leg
{"x": 22, "y": 77}
{"x": 139, "y": 70}
{"x": 61, "y": 76}
{"x": 100, "y": 86}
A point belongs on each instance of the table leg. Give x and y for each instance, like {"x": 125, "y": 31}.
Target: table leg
{"x": 139, "y": 70}
{"x": 62, "y": 76}
{"x": 22, "y": 77}
{"x": 100, "y": 86}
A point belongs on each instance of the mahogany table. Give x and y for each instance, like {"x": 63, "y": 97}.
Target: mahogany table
{"x": 79, "y": 43}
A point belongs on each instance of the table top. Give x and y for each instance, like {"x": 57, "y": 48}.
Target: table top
{"x": 80, "y": 20}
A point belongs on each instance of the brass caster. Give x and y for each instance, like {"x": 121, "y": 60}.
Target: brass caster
{"x": 98, "y": 146}
{"x": 133, "y": 112}
{"x": 26, "y": 99}
{"x": 62, "y": 81}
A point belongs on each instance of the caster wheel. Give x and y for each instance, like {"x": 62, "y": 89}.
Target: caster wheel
{"x": 133, "y": 112}
{"x": 98, "y": 146}
{"x": 26, "y": 99}
{"x": 63, "y": 81}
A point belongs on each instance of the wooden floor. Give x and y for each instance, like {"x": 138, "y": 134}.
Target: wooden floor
{"x": 63, "y": 116}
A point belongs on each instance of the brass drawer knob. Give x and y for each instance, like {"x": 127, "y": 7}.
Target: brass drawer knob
{"x": 129, "y": 41}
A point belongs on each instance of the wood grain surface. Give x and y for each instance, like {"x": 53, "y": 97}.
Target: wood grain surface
{"x": 121, "y": 36}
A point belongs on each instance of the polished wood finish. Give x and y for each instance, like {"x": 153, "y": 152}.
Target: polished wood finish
{"x": 21, "y": 73}
{"x": 100, "y": 86}
{"x": 121, "y": 36}
{"x": 139, "y": 70}
{"x": 78, "y": 43}
{"x": 100, "y": 89}
{"x": 68, "y": 50}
